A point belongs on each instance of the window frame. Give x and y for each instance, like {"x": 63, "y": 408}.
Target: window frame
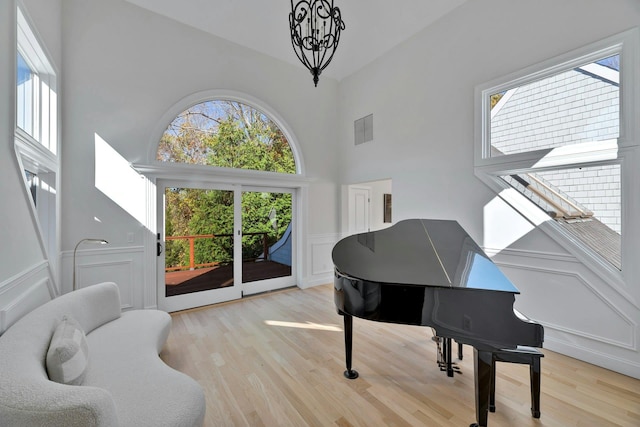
{"x": 38, "y": 151}
{"x": 625, "y": 153}
{"x": 44, "y": 107}
{"x": 268, "y": 115}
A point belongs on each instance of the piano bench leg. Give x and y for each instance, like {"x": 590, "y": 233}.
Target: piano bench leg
{"x": 534, "y": 372}
{"x": 492, "y": 393}
{"x": 523, "y": 355}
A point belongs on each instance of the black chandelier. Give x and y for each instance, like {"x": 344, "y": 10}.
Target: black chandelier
{"x": 315, "y": 32}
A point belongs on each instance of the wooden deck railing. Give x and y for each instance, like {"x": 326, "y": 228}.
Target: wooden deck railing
{"x": 192, "y": 265}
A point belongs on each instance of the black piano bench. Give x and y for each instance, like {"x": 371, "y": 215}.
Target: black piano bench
{"x": 525, "y": 355}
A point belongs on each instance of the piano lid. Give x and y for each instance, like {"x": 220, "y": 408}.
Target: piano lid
{"x": 423, "y": 252}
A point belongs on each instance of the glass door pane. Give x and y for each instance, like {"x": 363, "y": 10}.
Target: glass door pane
{"x": 267, "y": 240}
{"x": 199, "y": 246}
{"x": 199, "y": 240}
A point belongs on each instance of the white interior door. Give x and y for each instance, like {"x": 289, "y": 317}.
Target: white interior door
{"x": 359, "y": 208}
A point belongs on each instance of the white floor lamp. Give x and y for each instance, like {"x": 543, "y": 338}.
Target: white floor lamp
{"x": 98, "y": 241}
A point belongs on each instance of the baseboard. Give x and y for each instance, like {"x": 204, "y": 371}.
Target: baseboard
{"x": 607, "y": 361}
{"x": 317, "y": 281}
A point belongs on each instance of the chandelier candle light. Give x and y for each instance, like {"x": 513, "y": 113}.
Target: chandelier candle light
{"x": 315, "y": 32}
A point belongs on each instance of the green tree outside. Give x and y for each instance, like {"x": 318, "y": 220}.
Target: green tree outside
{"x": 231, "y": 135}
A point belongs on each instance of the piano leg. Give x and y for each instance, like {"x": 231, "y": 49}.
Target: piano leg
{"x": 348, "y": 345}
{"x": 483, "y": 372}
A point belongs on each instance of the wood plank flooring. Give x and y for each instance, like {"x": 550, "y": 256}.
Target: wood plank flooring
{"x": 277, "y": 359}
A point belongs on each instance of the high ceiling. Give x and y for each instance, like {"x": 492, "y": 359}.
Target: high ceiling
{"x": 372, "y": 26}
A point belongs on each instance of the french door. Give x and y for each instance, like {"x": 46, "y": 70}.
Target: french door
{"x": 220, "y": 242}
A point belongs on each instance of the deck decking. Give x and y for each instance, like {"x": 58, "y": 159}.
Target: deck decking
{"x": 221, "y": 276}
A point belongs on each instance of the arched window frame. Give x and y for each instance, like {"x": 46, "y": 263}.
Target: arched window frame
{"x": 221, "y": 95}
{"x": 155, "y": 170}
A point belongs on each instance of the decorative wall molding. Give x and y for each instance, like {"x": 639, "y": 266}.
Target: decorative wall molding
{"x": 631, "y": 344}
{"x": 25, "y": 276}
{"x": 556, "y": 288}
{"x": 23, "y": 292}
{"x": 88, "y": 274}
{"x": 319, "y": 262}
{"x": 123, "y": 265}
{"x": 552, "y": 256}
{"x": 563, "y": 264}
{"x": 606, "y": 360}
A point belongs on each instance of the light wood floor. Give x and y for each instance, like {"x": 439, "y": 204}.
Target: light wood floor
{"x": 277, "y": 360}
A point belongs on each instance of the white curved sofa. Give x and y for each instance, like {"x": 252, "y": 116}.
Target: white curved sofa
{"x": 125, "y": 382}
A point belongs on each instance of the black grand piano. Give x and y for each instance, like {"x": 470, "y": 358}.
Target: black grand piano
{"x": 431, "y": 273}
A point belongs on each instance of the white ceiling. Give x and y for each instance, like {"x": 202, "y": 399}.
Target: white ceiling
{"x": 372, "y": 26}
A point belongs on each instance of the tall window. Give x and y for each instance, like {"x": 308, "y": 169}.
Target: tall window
{"x": 25, "y": 97}
{"x": 555, "y": 136}
{"x": 36, "y": 131}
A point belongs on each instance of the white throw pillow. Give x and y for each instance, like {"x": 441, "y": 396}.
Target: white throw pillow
{"x": 68, "y": 354}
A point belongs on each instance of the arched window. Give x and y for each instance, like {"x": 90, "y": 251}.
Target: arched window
{"x": 226, "y": 133}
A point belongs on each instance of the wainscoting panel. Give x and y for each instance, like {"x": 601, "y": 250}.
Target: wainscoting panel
{"x": 320, "y": 264}
{"x": 24, "y": 292}
{"x": 583, "y": 316}
{"x": 565, "y": 310}
{"x": 120, "y": 272}
{"x": 121, "y": 265}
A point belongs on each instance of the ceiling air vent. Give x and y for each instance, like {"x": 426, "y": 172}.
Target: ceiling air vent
{"x": 363, "y": 129}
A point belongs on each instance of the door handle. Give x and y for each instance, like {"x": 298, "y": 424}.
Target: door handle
{"x": 159, "y": 246}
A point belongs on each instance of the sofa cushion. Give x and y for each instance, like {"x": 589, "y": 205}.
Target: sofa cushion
{"x": 68, "y": 354}
{"x": 146, "y": 391}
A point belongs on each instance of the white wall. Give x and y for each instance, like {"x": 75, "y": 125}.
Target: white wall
{"x": 25, "y": 276}
{"x": 125, "y": 67}
{"x": 424, "y": 89}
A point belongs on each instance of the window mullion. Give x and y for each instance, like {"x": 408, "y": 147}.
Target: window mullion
{"x": 36, "y": 123}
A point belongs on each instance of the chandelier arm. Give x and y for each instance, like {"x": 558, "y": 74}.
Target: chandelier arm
{"x": 336, "y": 25}
{"x": 296, "y": 40}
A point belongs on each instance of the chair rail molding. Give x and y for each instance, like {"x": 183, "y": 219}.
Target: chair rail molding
{"x": 25, "y": 291}
{"x": 607, "y": 334}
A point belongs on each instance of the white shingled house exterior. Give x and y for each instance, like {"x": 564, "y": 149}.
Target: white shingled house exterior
{"x": 576, "y": 108}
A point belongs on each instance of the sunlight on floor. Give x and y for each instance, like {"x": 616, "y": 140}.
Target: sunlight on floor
{"x": 307, "y": 325}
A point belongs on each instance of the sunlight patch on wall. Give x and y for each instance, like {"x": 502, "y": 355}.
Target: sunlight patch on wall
{"x": 507, "y": 218}
{"x": 115, "y": 178}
